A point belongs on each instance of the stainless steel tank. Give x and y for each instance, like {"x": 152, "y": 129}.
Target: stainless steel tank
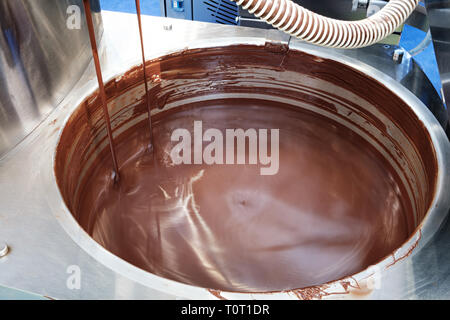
{"x": 46, "y": 242}
{"x": 44, "y": 49}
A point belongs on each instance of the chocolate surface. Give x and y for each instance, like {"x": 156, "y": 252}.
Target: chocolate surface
{"x": 336, "y": 205}
{"x": 332, "y": 209}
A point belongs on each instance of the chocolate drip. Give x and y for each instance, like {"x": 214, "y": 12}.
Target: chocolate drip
{"x": 98, "y": 71}
{"x": 138, "y": 10}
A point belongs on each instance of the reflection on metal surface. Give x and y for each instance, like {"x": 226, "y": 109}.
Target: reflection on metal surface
{"x": 418, "y": 19}
{"x": 12, "y": 294}
{"x": 40, "y": 61}
{"x": 31, "y": 206}
{"x": 422, "y": 45}
{"x": 438, "y": 16}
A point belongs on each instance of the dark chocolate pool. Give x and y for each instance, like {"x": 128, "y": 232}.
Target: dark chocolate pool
{"x": 356, "y": 172}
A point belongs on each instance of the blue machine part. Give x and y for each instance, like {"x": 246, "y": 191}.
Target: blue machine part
{"x": 219, "y": 11}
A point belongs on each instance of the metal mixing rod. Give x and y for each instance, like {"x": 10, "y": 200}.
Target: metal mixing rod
{"x": 101, "y": 87}
{"x": 147, "y": 102}
{"x": 87, "y": 9}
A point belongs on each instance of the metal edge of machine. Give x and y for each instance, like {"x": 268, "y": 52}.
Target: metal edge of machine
{"x": 438, "y": 15}
{"x": 109, "y": 273}
{"x": 44, "y": 49}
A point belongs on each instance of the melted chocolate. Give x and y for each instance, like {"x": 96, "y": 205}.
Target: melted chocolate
{"x": 98, "y": 71}
{"x": 332, "y": 209}
{"x": 147, "y": 102}
{"x": 335, "y": 207}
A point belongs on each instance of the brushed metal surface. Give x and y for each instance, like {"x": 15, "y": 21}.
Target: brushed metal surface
{"x": 40, "y": 61}
{"x": 45, "y": 240}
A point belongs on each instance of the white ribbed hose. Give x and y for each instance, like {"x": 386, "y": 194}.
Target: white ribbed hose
{"x": 306, "y": 25}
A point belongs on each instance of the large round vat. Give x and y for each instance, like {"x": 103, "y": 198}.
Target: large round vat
{"x": 349, "y": 185}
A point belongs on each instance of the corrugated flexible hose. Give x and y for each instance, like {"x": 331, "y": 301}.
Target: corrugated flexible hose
{"x": 306, "y": 25}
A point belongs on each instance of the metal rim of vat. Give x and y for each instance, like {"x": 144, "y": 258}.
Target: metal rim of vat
{"x": 435, "y": 215}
